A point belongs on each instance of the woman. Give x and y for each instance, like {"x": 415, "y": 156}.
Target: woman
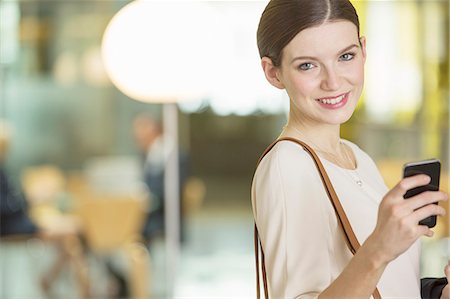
{"x": 314, "y": 51}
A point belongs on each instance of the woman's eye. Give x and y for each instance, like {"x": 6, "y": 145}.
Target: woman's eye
{"x": 347, "y": 56}
{"x": 306, "y": 66}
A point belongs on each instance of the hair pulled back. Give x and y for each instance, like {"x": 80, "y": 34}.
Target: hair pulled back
{"x": 282, "y": 20}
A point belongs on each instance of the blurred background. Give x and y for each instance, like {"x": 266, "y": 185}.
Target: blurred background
{"x": 84, "y": 163}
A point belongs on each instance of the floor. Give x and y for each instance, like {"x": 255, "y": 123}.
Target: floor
{"x": 217, "y": 261}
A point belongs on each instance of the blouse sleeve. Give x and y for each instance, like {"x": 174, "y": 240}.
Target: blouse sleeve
{"x": 293, "y": 223}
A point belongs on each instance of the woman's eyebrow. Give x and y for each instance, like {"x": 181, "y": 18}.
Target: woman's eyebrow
{"x": 315, "y": 58}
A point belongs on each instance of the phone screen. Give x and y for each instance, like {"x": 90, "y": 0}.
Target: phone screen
{"x": 432, "y": 168}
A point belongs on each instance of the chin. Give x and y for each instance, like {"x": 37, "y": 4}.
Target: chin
{"x": 338, "y": 119}
{"x": 347, "y": 114}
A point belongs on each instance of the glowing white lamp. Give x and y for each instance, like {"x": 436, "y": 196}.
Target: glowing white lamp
{"x": 164, "y": 52}
{"x": 160, "y": 51}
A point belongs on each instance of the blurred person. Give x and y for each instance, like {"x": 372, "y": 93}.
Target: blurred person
{"x": 313, "y": 50}
{"x": 41, "y": 185}
{"x": 15, "y": 222}
{"x": 14, "y": 218}
{"x": 148, "y": 135}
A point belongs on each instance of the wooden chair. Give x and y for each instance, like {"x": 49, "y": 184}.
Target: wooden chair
{"x": 193, "y": 195}
{"x": 114, "y": 222}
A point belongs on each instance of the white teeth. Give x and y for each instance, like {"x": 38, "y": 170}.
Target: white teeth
{"x": 332, "y": 101}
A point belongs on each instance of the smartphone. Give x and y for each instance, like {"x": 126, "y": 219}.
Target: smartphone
{"x": 432, "y": 168}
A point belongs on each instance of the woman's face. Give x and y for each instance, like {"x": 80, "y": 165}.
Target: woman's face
{"x": 322, "y": 70}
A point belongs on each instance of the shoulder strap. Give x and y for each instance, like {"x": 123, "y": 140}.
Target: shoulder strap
{"x": 350, "y": 237}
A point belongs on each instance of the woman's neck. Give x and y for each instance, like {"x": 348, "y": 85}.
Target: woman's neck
{"x": 323, "y": 136}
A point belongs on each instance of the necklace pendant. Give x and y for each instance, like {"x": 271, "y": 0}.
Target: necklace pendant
{"x": 359, "y": 182}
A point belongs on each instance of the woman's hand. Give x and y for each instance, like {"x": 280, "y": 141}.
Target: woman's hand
{"x": 398, "y": 219}
{"x": 446, "y": 290}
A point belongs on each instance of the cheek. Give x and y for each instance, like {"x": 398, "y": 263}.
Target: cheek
{"x": 357, "y": 74}
{"x": 305, "y": 85}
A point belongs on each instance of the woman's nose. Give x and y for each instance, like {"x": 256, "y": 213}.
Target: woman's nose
{"x": 331, "y": 80}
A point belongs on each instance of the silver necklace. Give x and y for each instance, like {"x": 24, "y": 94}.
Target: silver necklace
{"x": 354, "y": 178}
{"x": 357, "y": 177}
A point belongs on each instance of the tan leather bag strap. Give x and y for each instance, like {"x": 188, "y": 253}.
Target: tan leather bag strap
{"x": 350, "y": 237}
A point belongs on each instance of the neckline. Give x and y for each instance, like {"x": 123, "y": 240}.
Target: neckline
{"x": 337, "y": 166}
{"x": 347, "y": 143}
{"x": 322, "y": 158}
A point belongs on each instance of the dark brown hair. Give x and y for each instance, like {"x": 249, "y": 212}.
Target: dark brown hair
{"x": 282, "y": 20}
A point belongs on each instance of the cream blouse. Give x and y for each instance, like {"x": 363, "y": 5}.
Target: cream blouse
{"x": 303, "y": 245}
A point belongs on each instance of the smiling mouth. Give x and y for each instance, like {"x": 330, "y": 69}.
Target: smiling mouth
{"x": 332, "y": 100}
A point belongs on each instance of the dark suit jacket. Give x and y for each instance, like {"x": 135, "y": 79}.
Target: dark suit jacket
{"x": 13, "y": 209}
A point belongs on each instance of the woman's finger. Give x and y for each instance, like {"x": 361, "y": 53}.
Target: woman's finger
{"x": 426, "y": 211}
{"x": 425, "y": 198}
{"x": 409, "y": 183}
{"x": 424, "y": 230}
{"x": 447, "y": 270}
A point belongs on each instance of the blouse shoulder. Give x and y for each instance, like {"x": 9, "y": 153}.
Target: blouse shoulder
{"x": 288, "y": 170}
{"x": 286, "y": 156}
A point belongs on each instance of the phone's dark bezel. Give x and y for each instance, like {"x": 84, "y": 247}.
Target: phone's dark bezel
{"x": 432, "y": 168}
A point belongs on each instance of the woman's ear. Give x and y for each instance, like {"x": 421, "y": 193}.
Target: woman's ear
{"x": 271, "y": 72}
{"x": 362, "y": 42}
